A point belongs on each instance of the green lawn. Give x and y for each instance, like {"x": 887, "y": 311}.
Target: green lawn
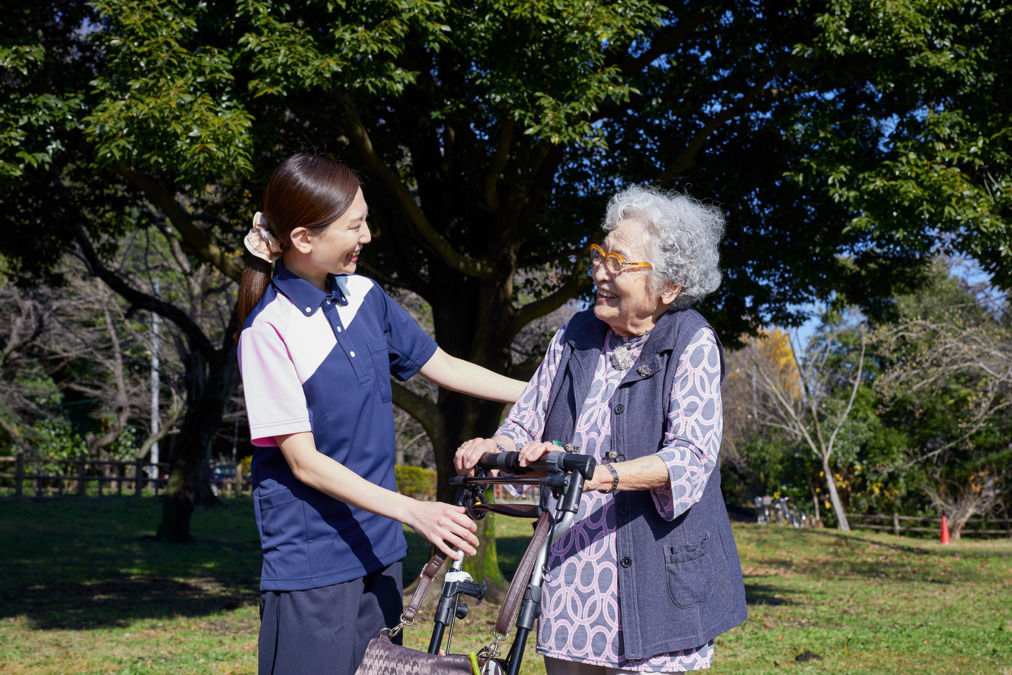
{"x": 84, "y": 590}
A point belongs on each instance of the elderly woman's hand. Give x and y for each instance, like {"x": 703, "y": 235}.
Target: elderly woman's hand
{"x": 534, "y": 450}
{"x": 469, "y": 452}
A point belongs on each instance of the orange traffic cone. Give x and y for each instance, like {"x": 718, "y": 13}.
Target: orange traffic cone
{"x": 945, "y": 530}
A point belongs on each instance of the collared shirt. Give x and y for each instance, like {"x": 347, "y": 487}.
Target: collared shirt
{"x": 321, "y": 362}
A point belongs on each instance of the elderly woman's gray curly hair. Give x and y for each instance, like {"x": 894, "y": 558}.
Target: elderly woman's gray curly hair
{"x": 682, "y": 238}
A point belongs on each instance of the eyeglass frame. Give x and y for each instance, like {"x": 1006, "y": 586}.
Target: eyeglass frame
{"x": 602, "y": 257}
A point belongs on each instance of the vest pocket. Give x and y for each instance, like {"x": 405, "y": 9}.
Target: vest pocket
{"x": 690, "y": 573}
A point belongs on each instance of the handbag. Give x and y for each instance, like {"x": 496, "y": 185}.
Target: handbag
{"x": 384, "y": 657}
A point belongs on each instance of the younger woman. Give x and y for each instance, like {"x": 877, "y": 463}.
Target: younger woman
{"x": 316, "y": 352}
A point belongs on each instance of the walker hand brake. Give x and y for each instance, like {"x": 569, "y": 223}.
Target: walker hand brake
{"x": 457, "y": 582}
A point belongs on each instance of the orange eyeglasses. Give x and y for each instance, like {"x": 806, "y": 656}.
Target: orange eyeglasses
{"x": 613, "y": 262}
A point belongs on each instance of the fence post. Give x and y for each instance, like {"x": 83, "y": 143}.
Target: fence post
{"x": 896, "y": 523}
{"x": 138, "y": 476}
{"x": 81, "y": 464}
{"x": 19, "y": 474}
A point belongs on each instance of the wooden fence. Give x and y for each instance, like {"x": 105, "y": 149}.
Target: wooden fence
{"x": 897, "y": 524}
{"x": 20, "y": 476}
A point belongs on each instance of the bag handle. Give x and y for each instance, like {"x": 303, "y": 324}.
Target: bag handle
{"x": 511, "y": 604}
{"x": 428, "y": 574}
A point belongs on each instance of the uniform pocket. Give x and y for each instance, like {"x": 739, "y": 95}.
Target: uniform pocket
{"x": 280, "y": 518}
{"x": 381, "y": 365}
{"x": 690, "y": 573}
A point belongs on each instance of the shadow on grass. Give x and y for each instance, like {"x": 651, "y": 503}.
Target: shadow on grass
{"x": 852, "y": 537}
{"x": 72, "y": 563}
{"x": 762, "y": 594}
{"x": 115, "y": 602}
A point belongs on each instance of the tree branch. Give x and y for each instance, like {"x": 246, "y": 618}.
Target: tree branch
{"x": 19, "y": 335}
{"x": 443, "y": 249}
{"x": 850, "y": 401}
{"x": 183, "y": 224}
{"x": 549, "y": 303}
{"x": 502, "y": 154}
{"x": 977, "y": 426}
{"x": 422, "y": 409}
{"x": 688, "y": 156}
{"x": 140, "y": 299}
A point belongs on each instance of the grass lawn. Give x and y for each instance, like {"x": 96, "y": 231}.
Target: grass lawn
{"x": 84, "y": 590}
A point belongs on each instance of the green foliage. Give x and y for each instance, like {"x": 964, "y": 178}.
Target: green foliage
{"x": 931, "y": 409}
{"x": 164, "y": 99}
{"x": 246, "y": 463}
{"x": 944, "y": 381}
{"x": 879, "y": 117}
{"x": 416, "y": 481}
{"x": 54, "y": 438}
{"x": 127, "y": 444}
{"x": 945, "y": 141}
{"x": 37, "y": 111}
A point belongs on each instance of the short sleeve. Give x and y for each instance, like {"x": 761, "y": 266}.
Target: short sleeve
{"x": 275, "y": 400}
{"x": 409, "y": 346}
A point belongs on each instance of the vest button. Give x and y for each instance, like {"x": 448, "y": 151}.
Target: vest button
{"x": 619, "y": 409}
{"x": 622, "y": 510}
{"x": 626, "y": 562}
{"x": 620, "y": 458}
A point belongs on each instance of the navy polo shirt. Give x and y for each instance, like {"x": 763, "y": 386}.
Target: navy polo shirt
{"x": 321, "y": 362}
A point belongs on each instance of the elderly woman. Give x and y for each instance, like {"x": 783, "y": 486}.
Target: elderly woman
{"x": 649, "y": 575}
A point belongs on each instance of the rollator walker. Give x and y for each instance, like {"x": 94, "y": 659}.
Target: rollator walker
{"x": 566, "y": 472}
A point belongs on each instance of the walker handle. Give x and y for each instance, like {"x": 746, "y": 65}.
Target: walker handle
{"x": 555, "y": 461}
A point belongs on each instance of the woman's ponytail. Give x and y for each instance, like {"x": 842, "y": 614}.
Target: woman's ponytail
{"x": 255, "y": 279}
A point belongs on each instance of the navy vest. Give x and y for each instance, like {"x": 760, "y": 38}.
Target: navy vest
{"x": 693, "y": 556}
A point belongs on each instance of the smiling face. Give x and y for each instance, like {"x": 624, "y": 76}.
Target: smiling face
{"x": 332, "y": 250}
{"x": 624, "y": 300}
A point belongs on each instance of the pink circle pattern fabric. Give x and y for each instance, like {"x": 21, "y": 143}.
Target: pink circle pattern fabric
{"x": 580, "y": 618}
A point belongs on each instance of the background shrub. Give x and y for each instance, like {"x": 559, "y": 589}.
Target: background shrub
{"x": 416, "y": 481}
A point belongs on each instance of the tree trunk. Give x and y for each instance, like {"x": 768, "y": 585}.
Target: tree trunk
{"x": 485, "y": 565}
{"x": 834, "y": 496}
{"x": 209, "y": 386}
{"x": 816, "y": 515}
{"x": 468, "y": 321}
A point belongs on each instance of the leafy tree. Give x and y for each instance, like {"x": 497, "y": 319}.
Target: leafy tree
{"x": 810, "y": 399}
{"x": 948, "y": 386}
{"x": 754, "y": 453}
{"x": 787, "y": 401}
{"x": 491, "y": 133}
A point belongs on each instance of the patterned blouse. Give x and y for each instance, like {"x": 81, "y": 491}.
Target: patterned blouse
{"x": 580, "y": 618}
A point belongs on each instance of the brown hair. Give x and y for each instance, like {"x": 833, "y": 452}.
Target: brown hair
{"x": 304, "y": 191}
